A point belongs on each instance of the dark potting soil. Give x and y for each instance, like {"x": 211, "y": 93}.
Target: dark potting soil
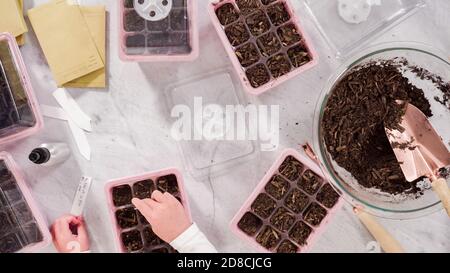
{"x": 237, "y": 34}
{"x": 282, "y": 219}
{"x": 287, "y": 247}
{"x": 258, "y": 23}
{"x": 288, "y": 35}
{"x": 296, "y": 201}
{"x": 266, "y": 2}
{"x": 300, "y": 233}
{"x": 127, "y": 218}
{"x": 278, "y": 65}
{"x": 291, "y": 168}
{"x": 250, "y": 224}
{"x": 247, "y": 54}
{"x": 327, "y": 196}
{"x": 132, "y": 240}
{"x": 277, "y": 187}
{"x": 264, "y": 205}
{"x": 361, "y": 104}
{"x": 168, "y": 183}
{"x": 227, "y": 14}
{"x": 278, "y": 14}
{"x": 10, "y": 244}
{"x": 268, "y": 238}
{"x": 310, "y": 182}
{"x": 247, "y": 6}
{"x": 122, "y": 195}
{"x": 314, "y": 214}
{"x": 299, "y": 55}
{"x": 141, "y": 218}
{"x": 268, "y": 44}
{"x": 150, "y": 238}
{"x": 143, "y": 189}
{"x": 258, "y": 75}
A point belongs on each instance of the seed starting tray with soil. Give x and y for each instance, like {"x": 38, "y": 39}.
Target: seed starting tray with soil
{"x": 289, "y": 208}
{"x": 22, "y": 228}
{"x": 174, "y": 38}
{"x": 264, "y": 41}
{"x": 132, "y": 232}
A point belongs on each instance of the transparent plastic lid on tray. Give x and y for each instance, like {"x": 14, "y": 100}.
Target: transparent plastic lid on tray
{"x": 158, "y": 30}
{"x": 19, "y": 113}
{"x": 347, "y": 25}
{"x": 209, "y": 152}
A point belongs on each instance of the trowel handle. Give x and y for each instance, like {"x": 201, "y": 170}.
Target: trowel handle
{"x": 441, "y": 188}
{"x": 387, "y": 242}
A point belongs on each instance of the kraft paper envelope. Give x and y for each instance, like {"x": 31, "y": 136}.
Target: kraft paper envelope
{"x": 21, "y": 38}
{"x": 12, "y": 20}
{"x": 66, "y": 41}
{"x": 95, "y": 18}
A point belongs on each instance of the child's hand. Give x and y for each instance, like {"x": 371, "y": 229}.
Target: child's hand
{"x": 70, "y": 234}
{"x": 165, "y": 214}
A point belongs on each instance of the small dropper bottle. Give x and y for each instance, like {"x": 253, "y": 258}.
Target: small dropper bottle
{"x": 49, "y": 154}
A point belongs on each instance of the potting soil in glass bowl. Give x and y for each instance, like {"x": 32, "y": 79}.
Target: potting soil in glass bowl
{"x": 356, "y": 105}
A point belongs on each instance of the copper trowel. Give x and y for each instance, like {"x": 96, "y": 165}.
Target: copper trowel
{"x": 421, "y": 151}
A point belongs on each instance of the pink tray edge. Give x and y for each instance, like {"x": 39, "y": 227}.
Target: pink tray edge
{"x": 131, "y": 179}
{"x": 260, "y": 187}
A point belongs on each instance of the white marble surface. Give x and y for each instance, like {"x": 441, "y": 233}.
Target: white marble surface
{"x": 131, "y": 136}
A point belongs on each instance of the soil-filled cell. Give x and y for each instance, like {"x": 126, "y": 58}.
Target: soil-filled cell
{"x": 132, "y": 240}
{"x": 133, "y": 21}
{"x": 296, "y": 201}
{"x": 158, "y": 39}
{"x": 10, "y": 244}
{"x": 277, "y": 187}
{"x": 237, "y": 34}
{"x": 263, "y": 206}
{"x": 11, "y": 191}
{"x": 127, "y": 218}
{"x": 282, "y": 219}
{"x": 327, "y": 196}
{"x": 258, "y": 23}
{"x": 291, "y": 168}
{"x": 161, "y": 25}
{"x": 247, "y": 6}
{"x": 299, "y": 55}
{"x": 258, "y": 75}
{"x": 227, "y": 14}
{"x": 278, "y": 65}
{"x": 150, "y": 238}
{"x": 247, "y": 54}
{"x": 168, "y": 183}
{"x": 128, "y": 4}
{"x": 300, "y": 233}
{"x": 268, "y": 238}
{"x": 179, "y": 20}
{"x": 310, "y": 182}
{"x": 32, "y": 233}
{"x": 314, "y": 214}
{"x": 143, "y": 189}
{"x": 122, "y": 195}
{"x": 278, "y": 14}
{"x": 5, "y": 223}
{"x": 268, "y": 44}
{"x": 5, "y": 174}
{"x": 250, "y": 224}
{"x": 288, "y": 35}
{"x": 179, "y": 3}
{"x": 137, "y": 40}
{"x": 23, "y": 213}
{"x": 266, "y": 2}
{"x": 287, "y": 247}
{"x": 141, "y": 218}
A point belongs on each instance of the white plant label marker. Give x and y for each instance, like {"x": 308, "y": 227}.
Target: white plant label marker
{"x": 153, "y": 10}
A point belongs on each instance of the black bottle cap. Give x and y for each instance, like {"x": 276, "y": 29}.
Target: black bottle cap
{"x": 39, "y": 156}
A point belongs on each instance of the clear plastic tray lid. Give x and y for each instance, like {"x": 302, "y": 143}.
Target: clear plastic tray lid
{"x": 200, "y": 123}
{"x": 347, "y": 25}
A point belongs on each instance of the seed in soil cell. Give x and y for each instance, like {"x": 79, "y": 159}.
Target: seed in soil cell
{"x": 278, "y": 65}
{"x": 296, "y": 201}
{"x": 178, "y": 19}
{"x": 264, "y": 205}
{"x": 258, "y": 75}
{"x": 127, "y": 218}
{"x": 10, "y": 244}
{"x": 310, "y": 182}
{"x": 247, "y": 54}
{"x": 132, "y": 240}
{"x": 122, "y": 195}
{"x": 314, "y": 214}
{"x": 300, "y": 233}
{"x": 227, "y": 14}
{"x": 277, "y": 187}
{"x": 268, "y": 44}
{"x": 143, "y": 189}
{"x": 250, "y": 224}
{"x": 266, "y": 2}
{"x": 237, "y": 34}
{"x": 268, "y": 238}
{"x": 247, "y": 6}
{"x": 258, "y": 23}
{"x": 150, "y": 238}
{"x": 160, "y": 25}
{"x": 278, "y": 14}
{"x": 287, "y": 247}
{"x": 288, "y": 35}
{"x": 168, "y": 183}
{"x": 282, "y": 219}
{"x": 327, "y": 196}
{"x": 291, "y": 168}
{"x": 133, "y": 22}
{"x": 299, "y": 55}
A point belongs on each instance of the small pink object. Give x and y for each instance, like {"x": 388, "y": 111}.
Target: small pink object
{"x": 131, "y": 181}
{"x": 308, "y": 165}
{"x": 273, "y": 31}
{"x": 17, "y": 132}
{"x": 38, "y": 219}
{"x": 174, "y": 38}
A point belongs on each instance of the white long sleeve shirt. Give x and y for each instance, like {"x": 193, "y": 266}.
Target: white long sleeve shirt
{"x": 193, "y": 241}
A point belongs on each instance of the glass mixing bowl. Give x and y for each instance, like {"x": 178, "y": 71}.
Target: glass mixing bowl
{"x": 375, "y": 202}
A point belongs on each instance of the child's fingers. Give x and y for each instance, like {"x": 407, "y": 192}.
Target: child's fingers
{"x": 82, "y": 231}
{"x": 61, "y": 228}
{"x": 158, "y": 196}
{"x": 152, "y": 204}
{"x": 141, "y": 205}
{"x": 170, "y": 197}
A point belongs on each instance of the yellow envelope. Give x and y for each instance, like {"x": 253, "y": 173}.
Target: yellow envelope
{"x": 95, "y": 17}
{"x": 66, "y": 41}
{"x": 21, "y": 38}
{"x": 12, "y": 20}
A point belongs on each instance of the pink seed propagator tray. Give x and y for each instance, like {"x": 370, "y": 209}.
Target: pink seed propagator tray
{"x": 273, "y": 37}
{"x": 299, "y": 203}
{"x": 163, "y": 32}
{"x": 131, "y": 231}
{"x": 19, "y": 112}
{"x": 22, "y": 226}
